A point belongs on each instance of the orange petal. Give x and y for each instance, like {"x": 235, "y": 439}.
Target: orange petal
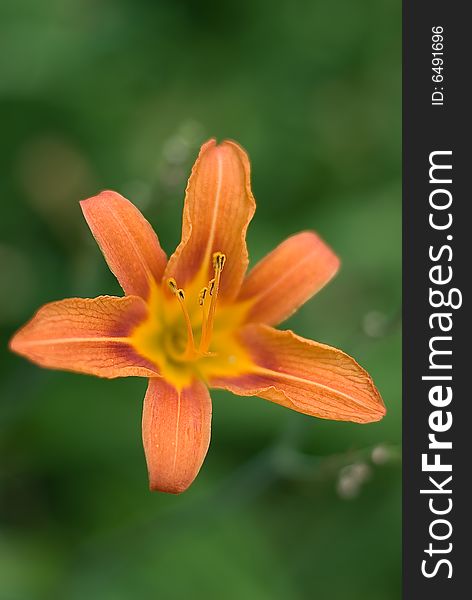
{"x": 176, "y": 433}
{"x": 308, "y": 377}
{"x": 288, "y": 277}
{"x": 127, "y": 240}
{"x": 86, "y": 335}
{"x": 218, "y": 207}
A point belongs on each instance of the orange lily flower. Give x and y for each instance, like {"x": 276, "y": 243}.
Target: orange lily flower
{"x": 197, "y": 321}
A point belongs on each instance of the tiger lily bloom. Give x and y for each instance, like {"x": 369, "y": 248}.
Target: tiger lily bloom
{"x": 197, "y": 321}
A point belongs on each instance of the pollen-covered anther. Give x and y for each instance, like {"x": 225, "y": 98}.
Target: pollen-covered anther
{"x": 211, "y": 286}
{"x": 202, "y": 296}
{"x": 219, "y": 260}
{"x": 172, "y": 285}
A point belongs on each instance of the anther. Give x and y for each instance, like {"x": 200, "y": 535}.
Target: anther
{"x": 218, "y": 261}
{"x": 202, "y": 295}
{"x": 211, "y": 286}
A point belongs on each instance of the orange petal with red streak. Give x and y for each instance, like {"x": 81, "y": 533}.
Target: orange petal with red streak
{"x": 128, "y": 242}
{"x": 176, "y": 433}
{"x": 218, "y": 207}
{"x": 87, "y": 336}
{"x": 306, "y": 376}
{"x": 287, "y": 277}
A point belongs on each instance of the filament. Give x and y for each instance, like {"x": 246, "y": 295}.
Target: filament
{"x": 180, "y": 295}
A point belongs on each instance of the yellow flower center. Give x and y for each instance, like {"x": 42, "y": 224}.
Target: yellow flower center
{"x": 186, "y": 336}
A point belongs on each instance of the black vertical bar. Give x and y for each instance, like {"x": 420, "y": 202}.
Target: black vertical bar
{"x": 444, "y": 126}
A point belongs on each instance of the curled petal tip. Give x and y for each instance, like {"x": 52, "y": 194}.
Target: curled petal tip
{"x": 158, "y": 486}
{"x": 381, "y": 411}
{"x": 373, "y": 417}
{"x": 13, "y": 345}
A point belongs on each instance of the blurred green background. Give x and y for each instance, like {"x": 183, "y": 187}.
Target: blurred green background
{"x": 120, "y": 94}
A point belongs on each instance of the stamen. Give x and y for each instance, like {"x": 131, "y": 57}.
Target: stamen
{"x": 219, "y": 260}
{"x": 202, "y": 295}
{"x": 201, "y": 300}
{"x": 172, "y": 284}
{"x": 180, "y": 295}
